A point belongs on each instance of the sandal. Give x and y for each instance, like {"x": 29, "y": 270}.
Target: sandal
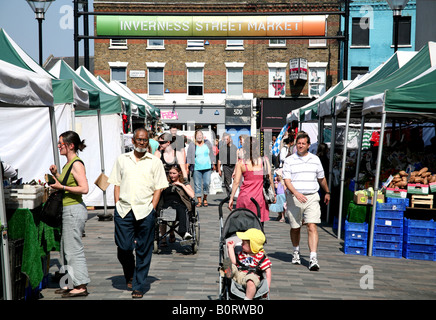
{"x": 129, "y": 284}
{"x": 205, "y": 204}
{"x": 136, "y": 294}
{"x": 198, "y": 205}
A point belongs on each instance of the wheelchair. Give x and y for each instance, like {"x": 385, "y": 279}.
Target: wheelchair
{"x": 168, "y": 217}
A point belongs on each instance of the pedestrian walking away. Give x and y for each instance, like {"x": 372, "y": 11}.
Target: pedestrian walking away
{"x": 251, "y": 168}
{"x": 303, "y": 174}
{"x": 74, "y": 213}
{"x": 138, "y": 178}
{"x": 227, "y": 157}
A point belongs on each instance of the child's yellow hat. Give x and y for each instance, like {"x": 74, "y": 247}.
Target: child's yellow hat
{"x": 256, "y": 237}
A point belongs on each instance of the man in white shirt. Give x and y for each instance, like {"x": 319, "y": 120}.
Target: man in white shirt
{"x": 303, "y": 173}
{"x": 138, "y": 178}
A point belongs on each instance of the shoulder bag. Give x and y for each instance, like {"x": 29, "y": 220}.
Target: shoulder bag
{"x": 51, "y": 212}
{"x": 268, "y": 191}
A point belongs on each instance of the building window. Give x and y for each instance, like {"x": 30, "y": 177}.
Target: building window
{"x": 195, "y": 81}
{"x": 355, "y": 71}
{"x": 195, "y": 45}
{"x": 277, "y": 42}
{"x": 119, "y": 74}
{"x": 155, "y": 44}
{"x": 235, "y": 81}
{"x": 277, "y": 79}
{"x": 360, "y": 31}
{"x": 235, "y": 45}
{"x": 155, "y": 81}
{"x": 316, "y": 81}
{"x": 317, "y": 43}
{"x": 404, "y": 28}
{"x": 118, "y": 44}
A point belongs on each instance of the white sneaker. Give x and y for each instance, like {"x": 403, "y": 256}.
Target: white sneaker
{"x": 313, "y": 264}
{"x": 187, "y": 236}
{"x": 296, "y": 258}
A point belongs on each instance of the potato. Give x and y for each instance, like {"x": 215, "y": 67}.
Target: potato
{"x": 403, "y": 173}
{"x": 420, "y": 172}
{"x": 426, "y": 174}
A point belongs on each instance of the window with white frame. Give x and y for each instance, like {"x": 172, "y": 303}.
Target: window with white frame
{"x": 235, "y": 77}
{"x": 155, "y": 44}
{"x": 317, "y": 78}
{"x": 118, "y": 71}
{"x": 195, "y": 45}
{"x": 195, "y": 79}
{"x": 235, "y": 45}
{"x": 118, "y": 44}
{"x": 317, "y": 43}
{"x": 155, "y": 79}
{"x": 277, "y": 79}
{"x": 277, "y": 42}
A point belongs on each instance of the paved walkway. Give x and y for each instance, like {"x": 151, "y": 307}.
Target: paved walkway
{"x": 176, "y": 274}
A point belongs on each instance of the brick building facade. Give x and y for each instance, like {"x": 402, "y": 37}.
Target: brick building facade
{"x": 198, "y": 79}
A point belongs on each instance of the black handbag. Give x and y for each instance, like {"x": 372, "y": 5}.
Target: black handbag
{"x": 268, "y": 191}
{"x": 51, "y": 212}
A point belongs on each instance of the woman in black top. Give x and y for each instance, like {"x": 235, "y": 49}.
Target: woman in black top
{"x": 168, "y": 155}
{"x": 177, "y": 196}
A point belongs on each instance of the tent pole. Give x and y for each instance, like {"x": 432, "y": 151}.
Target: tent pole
{"x": 100, "y": 134}
{"x": 359, "y": 152}
{"x": 332, "y": 154}
{"x": 344, "y": 163}
{"x": 5, "y": 267}
{"x": 54, "y": 135}
{"x": 376, "y": 182}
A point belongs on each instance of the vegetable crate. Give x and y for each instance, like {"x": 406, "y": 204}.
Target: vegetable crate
{"x": 388, "y": 230}
{"x": 356, "y": 238}
{"x": 419, "y": 240}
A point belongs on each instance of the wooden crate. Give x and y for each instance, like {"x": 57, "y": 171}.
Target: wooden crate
{"x": 422, "y": 200}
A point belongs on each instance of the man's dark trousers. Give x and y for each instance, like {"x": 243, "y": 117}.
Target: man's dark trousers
{"x": 138, "y": 235}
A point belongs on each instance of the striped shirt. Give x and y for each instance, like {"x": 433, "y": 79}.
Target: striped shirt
{"x": 303, "y": 172}
{"x": 252, "y": 261}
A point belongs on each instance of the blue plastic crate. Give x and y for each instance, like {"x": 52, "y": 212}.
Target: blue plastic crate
{"x": 419, "y": 255}
{"x": 386, "y": 253}
{"x": 419, "y": 247}
{"x": 428, "y": 224}
{"x": 356, "y": 243}
{"x": 387, "y": 214}
{"x": 409, "y": 238}
{"x": 356, "y": 250}
{"x": 388, "y": 237}
{"x": 358, "y": 235}
{"x": 388, "y": 222}
{"x": 388, "y": 229}
{"x": 388, "y": 206}
{"x": 355, "y": 226}
{"x": 404, "y": 201}
{"x": 419, "y": 231}
{"x": 391, "y": 245}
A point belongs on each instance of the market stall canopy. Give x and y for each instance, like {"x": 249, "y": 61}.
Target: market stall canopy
{"x": 132, "y": 109}
{"x": 416, "y": 97}
{"x": 310, "y": 111}
{"x": 108, "y": 104}
{"x": 64, "y": 91}
{"x": 23, "y": 88}
{"x": 419, "y": 63}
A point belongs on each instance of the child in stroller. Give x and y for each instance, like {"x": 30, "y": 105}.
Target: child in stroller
{"x": 245, "y": 271}
{"x": 246, "y": 267}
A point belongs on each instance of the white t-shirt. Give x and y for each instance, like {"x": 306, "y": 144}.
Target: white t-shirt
{"x": 303, "y": 172}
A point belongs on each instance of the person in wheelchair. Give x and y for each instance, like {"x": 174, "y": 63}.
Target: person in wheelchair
{"x": 178, "y": 196}
{"x": 247, "y": 267}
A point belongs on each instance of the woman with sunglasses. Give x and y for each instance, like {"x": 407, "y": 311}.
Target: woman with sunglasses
{"x": 178, "y": 196}
{"x": 74, "y": 213}
{"x": 170, "y": 156}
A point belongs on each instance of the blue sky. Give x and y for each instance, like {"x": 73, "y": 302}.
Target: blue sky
{"x": 18, "y": 20}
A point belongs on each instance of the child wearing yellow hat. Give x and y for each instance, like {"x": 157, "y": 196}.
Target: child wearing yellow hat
{"x": 252, "y": 261}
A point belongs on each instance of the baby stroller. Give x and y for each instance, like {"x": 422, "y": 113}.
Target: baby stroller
{"x": 168, "y": 217}
{"x": 239, "y": 220}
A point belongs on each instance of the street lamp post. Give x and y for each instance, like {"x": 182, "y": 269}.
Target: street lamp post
{"x": 397, "y": 6}
{"x": 40, "y": 7}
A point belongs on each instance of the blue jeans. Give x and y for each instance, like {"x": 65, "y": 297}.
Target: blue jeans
{"x": 73, "y": 224}
{"x": 201, "y": 178}
{"x": 138, "y": 235}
